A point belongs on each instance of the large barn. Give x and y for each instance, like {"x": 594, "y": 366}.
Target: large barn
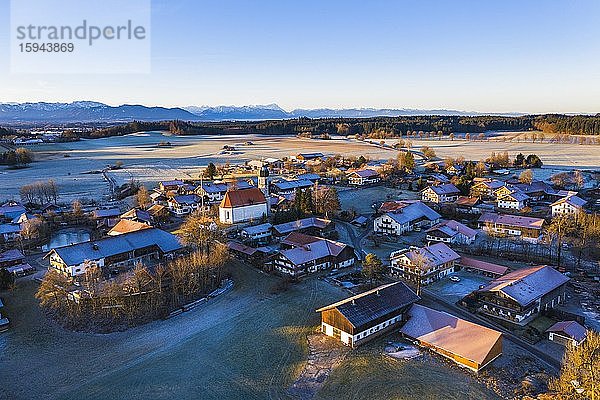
{"x": 360, "y": 318}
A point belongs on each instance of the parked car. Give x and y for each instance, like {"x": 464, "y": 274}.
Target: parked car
{"x": 455, "y": 278}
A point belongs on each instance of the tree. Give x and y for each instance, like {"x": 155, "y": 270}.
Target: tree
{"x": 23, "y": 156}
{"x": 53, "y": 290}
{"x": 580, "y": 373}
{"x": 326, "y": 200}
{"x": 428, "y": 152}
{"x": 210, "y": 171}
{"x": 142, "y": 198}
{"x": 561, "y": 226}
{"x": 200, "y": 232}
{"x": 526, "y": 176}
{"x": 6, "y": 279}
{"x": 480, "y": 169}
{"x": 373, "y": 268}
{"x": 77, "y": 210}
{"x": 578, "y": 179}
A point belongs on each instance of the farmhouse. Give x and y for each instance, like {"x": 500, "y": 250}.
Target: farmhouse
{"x": 285, "y": 187}
{"x": 106, "y": 217}
{"x": 310, "y": 254}
{"x": 10, "y": 232}
{"x": 567, "y": 333}
{"x": 115, "y": 253}
{"x": 252, "y": 255}
{"x": 311, "y": 226}
{"x": 257, "y": 234}
{"x": 213, "y": 193}
{"x": 468, "y": 205}
{"x": 242, "y": 206}
{"x": 520, "y": 296}
{"x": 307, "y": 156}
{"x": 525, "y": 228}
{"x": 451, "y": 232}
{"x": 407, "y": 216}
{"x": 126, "y": 226}
{"x": 446, "y": 193}
{"x": 168, "y": 186}
{"x": 363, "y": 177}
{"x": 423, "y": 265}
{"x": 516, "y": 200}
{"x": 467, "y": 344}
{"x": 570, "y": 205}
{"x": 484, "y": 188}
{"x": 360, "y": 318}
{"x": 184, "y": 204}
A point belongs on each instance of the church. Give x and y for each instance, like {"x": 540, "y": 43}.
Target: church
{"x": 246, "y": 205}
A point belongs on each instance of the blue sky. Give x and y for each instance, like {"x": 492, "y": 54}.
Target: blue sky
{"x": 495, "y": 56}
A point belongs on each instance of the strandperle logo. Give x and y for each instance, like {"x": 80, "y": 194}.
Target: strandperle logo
{"x": 91, "y": 36}
{"x": 86, "y": 31}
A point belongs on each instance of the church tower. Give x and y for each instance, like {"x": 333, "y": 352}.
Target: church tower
{"x": 263, "y": 185}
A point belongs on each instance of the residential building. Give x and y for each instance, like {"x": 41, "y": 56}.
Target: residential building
{"x": 467, "y": 344}
{"x": 307, "y": 156}
{"x": 115, "y": 253}
{"x": 9, "y": 211}
{"x": 213, "y": 193}
{"x": 451, "y": 232}
{"x": 168, "y": 186}
{"x": 519, "y": 296}
{"x": 567, "y": 333}
{"x": 406, "y": 216}
{"x": 106, "y": 217}
{"x": 311, "y": 226}
{"x": 314, "y": 178}
{"x": 570, "y": 205}
{"x": 363, "y": 177}
{"x": 524, "y": 228}
{"x": 10, "y": 232}
{"x": 252, "y": 255}
{"x": 446, "y": 193}
{"x": 288, "y": 187}
{"x": 358, "y": 319}
{"x": 257, "y": 234}
{"x": 137, "y": 215}
{"x": 308, "y": 254}
{"x": 516, "y": 200}
{"x": 126, "y": 226}
{"x": 485, "y": 188}
{"x": 184, "y": 204}
{"x": 243, "y": 205}
{"x": 423, "y": 265}
{"x": 468, "y": 205}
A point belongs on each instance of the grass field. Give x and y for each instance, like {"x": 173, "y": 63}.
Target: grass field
{"x": 246, "y": 344}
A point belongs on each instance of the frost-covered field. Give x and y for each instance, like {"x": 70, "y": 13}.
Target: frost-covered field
{"x": 147, "y": 162}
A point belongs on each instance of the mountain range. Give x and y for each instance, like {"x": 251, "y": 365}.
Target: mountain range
{"x": 90, "y": 111}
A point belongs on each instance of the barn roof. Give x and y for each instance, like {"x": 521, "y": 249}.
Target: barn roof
{"x": 528, "y": 284}
{"x": 483, "y": 265}
{"x": 363, "y": 308}
{"x": 450, "y": 333}
{"x": 512, "y": 220}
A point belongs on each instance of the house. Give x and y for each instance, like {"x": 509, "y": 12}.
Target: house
{"x": 567, "y": 333}
{"x": 482, "y": 267}
{"x": 168, "y": 186}
{"x": 423, "y": 265}
{"x": 126, "y": 226}
{"x": 467, "y": 344}
{"x": 360, "y": 318}
{"x": 446, "y": 193}
{"x": 303, "y": 254}
{"x": 213, "y": 193}
{"x": 307, "y": 156}
{"x": 408, "y": 216}
{"x": 11, "y": 258}
{"x": 252, "y": 255}
{"x": 314, "y": 178}
{"x": 525, "y": 228}
{"x": 485, "y": 188}
{"x": 519, "y": 296}
{"x": 10, "y": 211}
{"x": 10, "y": 232}
{"x": 451, "y": 232}
{"x": 455, "y": 169}
{"x": 363, "y": 177}
{"x": 468, "y": 205}
{"x": 311, "y": 226}
{"x": 137, "y": 215}
{"x": 570, "y": 205}
{"x": 158, "y": 212}
{"x": 257, "y": 234}
{"x": 115, "y": 253}
{"x": 107, "y": 217}
{"x": 243, "y": 205}
{"x": 536, "y": 190}
{"x": 184, "y": 204}
{"x": 516, "y": 200}
{"x": 288, "y": 187}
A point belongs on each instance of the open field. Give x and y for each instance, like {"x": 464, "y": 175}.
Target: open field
{"x": 147, "y": 162}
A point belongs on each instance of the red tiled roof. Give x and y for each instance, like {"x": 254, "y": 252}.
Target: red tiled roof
{"x": 243, "y": 197}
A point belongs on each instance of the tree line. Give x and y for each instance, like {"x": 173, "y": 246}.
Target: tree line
{"x": 20, "y": 157}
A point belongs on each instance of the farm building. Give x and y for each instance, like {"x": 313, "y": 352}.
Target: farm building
{"x": 115, "y": 252}
{"x": 446, "y": 193}
{"x": 451, "y": 232}
{"x": 285, "y": 187}
{"x": 363, "y": 177}
{"x": 257, "y": 234}
{"x": 424, "y": 265}
{"x": 524, "y": 228}
{"x": 184, "y": 204}
{"x": 518, "y": 297}
{"x": 485, "y": 188}
{"x": 516, "y": 200}
{"x": 567, "y": 333}
{"x": 569, "y": 205}
{"x": 311, "y": 226}
{"x": 405, "y": 216}
{"x": 468, "y": 205}
{"x": 127, "y": 226}
{"x": 360, "y": 318}
{"x": 467, "y": 344}
{"x": 482, "y": 267}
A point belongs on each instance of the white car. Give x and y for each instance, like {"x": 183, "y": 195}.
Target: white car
{"x": 455, "y": 279}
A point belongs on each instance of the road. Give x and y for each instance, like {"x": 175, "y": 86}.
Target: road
{"x": 355, "y": 238}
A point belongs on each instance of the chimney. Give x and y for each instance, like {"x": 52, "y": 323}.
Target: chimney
{"x": 95, "y": 246}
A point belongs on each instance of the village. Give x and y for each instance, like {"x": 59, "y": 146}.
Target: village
{"x": 453, "y": 257}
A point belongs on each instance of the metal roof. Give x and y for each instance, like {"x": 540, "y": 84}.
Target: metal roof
{"x": 413, "y": 212}
{"x": 311, "y": 222}
{"x": 94, "y": 250}
{"x": 258, "y": 228}
{"x": 571, "y": 328}
{"x": 527, "y": 285}
{"x": 366, "y": 307}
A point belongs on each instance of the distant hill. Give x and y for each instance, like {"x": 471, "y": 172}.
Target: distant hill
{"x": 89, "y": 111}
